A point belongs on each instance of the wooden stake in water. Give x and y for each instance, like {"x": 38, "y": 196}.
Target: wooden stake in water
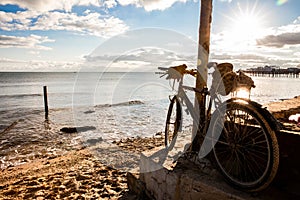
{"x": 46, "y": 102}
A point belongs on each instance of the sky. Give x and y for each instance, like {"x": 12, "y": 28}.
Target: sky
{"x": 60, "y": 35}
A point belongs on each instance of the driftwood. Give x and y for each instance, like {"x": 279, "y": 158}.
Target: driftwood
{"x": 77, "y": 129}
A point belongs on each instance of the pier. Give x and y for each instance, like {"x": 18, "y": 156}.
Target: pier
{"x": 269, "y": 71}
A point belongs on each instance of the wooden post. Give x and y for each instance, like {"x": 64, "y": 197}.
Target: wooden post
{"x": 203, "y": 54}
{"x": 46, "y": 102}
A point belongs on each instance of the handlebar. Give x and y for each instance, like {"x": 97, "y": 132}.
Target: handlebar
{"x": 177, "y": 72}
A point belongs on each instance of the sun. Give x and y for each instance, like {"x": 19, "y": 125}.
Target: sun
{"x": 242, "y": 28}
{"x": 246, "y": 27}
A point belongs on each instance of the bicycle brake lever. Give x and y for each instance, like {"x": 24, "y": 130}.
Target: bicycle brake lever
{"x": 163, "y": 75}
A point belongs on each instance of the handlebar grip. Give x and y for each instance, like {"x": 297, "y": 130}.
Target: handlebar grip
{"x": 164, "y": 68}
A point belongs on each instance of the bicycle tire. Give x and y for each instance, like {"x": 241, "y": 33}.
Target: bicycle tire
{"x": 247, "y": 151}
{"x": 173, "y": 121}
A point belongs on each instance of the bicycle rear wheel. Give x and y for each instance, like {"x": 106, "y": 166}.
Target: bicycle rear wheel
{"x": 246, "y": 152}
{"x": 173, "y": 122}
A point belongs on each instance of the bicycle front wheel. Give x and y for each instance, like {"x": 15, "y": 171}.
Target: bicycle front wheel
{"x": 246, "y": 151}
{"x": 173, "y": 122}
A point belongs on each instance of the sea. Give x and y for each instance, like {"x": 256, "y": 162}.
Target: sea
{"x": 108, "y": 106}
{"x": 118, "y": 104}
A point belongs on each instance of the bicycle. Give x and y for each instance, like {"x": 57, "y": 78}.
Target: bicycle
{"x": 240, "y": 133}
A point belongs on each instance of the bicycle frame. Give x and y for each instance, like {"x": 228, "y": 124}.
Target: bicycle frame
{"x": 194, "y": 110}
{"x": 240, "y": 134}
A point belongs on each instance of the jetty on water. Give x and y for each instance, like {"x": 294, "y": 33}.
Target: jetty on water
{"x": 273, "y": 71}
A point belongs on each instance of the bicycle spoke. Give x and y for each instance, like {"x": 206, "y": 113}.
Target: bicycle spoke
{"x": 254, "y": 168}
{"x": 257, "y": 146}
{"x": 251, "y": 166}
{"x": 259, "y": 136}
{"x": 257, "y": 154}
{"x": 222, "y": 150}
{"x": 254, "y": 131}
{"x": 221, "y": 142}
{"x": 243, "y": 151}
{"x": 251, "y": 171}
{"x": 253, "y": 161}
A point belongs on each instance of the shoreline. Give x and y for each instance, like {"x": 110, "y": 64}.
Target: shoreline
{"x": 76, "y": 172}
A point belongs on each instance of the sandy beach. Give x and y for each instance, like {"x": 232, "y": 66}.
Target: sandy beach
{"x": 75, "y": 171}
{"x": 76, "y": 175}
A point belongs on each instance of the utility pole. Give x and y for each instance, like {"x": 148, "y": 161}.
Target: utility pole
{"x": 203, "y": 54}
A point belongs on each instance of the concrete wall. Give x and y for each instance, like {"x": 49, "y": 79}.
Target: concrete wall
{"x": 190, "y": 180}
{"x": 187, "y": 181}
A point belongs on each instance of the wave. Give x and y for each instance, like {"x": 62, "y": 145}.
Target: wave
{"x": 128, "y": 103}
{"x": 20, "y": 95}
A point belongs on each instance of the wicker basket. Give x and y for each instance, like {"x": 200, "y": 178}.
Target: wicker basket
{"x": 225, "y": 80}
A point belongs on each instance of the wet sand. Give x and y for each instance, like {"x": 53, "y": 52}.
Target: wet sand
{"x": 76, "y": 174}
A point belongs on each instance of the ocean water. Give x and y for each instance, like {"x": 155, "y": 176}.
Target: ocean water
{"x": 117, "y": 104}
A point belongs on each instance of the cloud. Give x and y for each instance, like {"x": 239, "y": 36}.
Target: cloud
{"x": 29, "y": 42}
{"x": 90, "y": 23}
{"x": 160, "y": 4}
{"x": 110, "y": 3}
{"x": 273, "y": 46}
{"x": 8, "y": 61}
{"x": 17, "y": 21}
{"x": 142, "y": 59}
{"x": 280, "y": 40}
{"x": 67, "y": 5}
{"x": 48, "y": 5}
{"x": 228, "y": 1}
{"x": 148, "y": 54}
{"x": 282, "y": 36}
{"x": 248, "y": 60}
{"x": 37, "y": 65}
{"x": 241, "y": 60}
{"x": 151, "y": 5}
